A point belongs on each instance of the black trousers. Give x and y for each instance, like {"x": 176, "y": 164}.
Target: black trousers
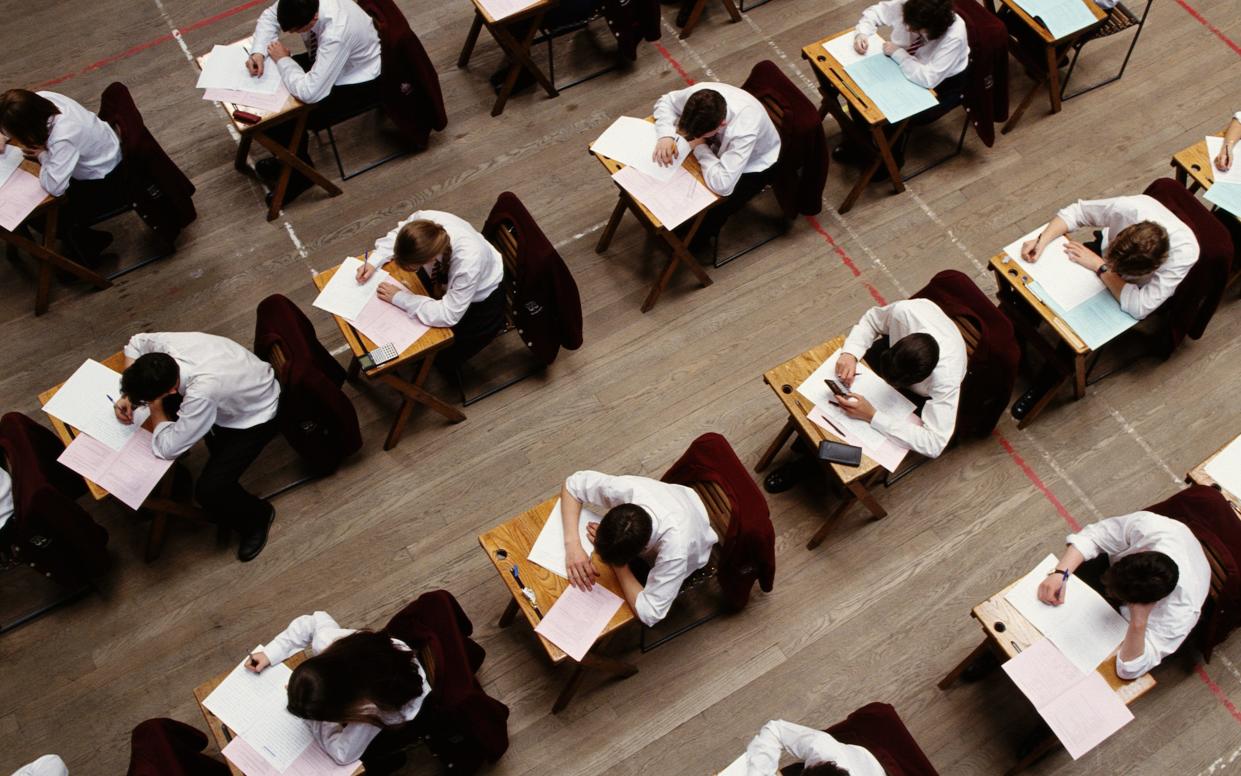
{"x": 219, "y": 489}
{"x": 476, "y": 329}
{"x": 749, "y": 185}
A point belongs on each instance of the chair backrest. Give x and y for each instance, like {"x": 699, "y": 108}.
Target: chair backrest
{"x": 166, "y": 747}
{"x": 970, "y": 332}
{"x": 505, "y": 239}
{"x": 426, "y": 656}
{"x": 719, "y": 506}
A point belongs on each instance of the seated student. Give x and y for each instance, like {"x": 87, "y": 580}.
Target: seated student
{"x": 465, "y": 273}
{"x": 821, "y": 753}
{"x": 79, "y": 156}
{"x": 732, "y": 137}
{"x": 1157, "y": 571}
{"x": 665, "y": 526}
{"x": 6, "y": 499}
{"x": 1223, "y": 161}
{"x": 342, "y": 54}
{"x": 47, "y": 765}
{"x": 356, "y": 685}
{"x": 227, "y": 396}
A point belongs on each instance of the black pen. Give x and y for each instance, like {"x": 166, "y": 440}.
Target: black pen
{"x": 527, "y": 592}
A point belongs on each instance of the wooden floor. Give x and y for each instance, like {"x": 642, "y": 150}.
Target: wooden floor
{"x": 880, "y": 612}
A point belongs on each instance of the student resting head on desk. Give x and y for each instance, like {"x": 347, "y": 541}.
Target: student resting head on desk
{"x": 357, "y": 685}
{"x": 1154, "y": 567}
{"x": 821, "y": 753}
{"x": 79, "y": 156}
{"x": 1223, "y": 161}
{"x": 464, "y": 271}
{"x": 732, "y": 136}
{"x": 665, "y": 527}
{"x": 227, "y": 396}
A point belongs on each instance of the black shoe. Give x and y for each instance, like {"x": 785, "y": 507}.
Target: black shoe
{"x": 297, "y": 186}
{"x": 380, "y": 765}
{"x": 1025, "y": 403}
{"x": 980, "y": 667}
{"x": 254, "y": 539}
{"x": 787, "y": 475}
{"x": 268, "y": 169}
{"x": 848, "y": 154}
{"x": 524, "y": 79}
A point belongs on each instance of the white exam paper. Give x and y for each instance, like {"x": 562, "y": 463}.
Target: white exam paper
{"x": 255, "y": 707}
{"x": 631, "y": 142}
{"x": 548, "y": 549}
{"x": 83, "y": 402}
{"x": 735, "y": 768}
{"x": 1068, "y": 283}
{"x": 883, "y": 397}
{"x": 225, "y": 68}
{"x": 343, "y": 295}
{"x": 9, "y": 162}
{"x": 1225, "y": 468}
{"x": 1214, "y": 144}
{"x": 841, "y": 48}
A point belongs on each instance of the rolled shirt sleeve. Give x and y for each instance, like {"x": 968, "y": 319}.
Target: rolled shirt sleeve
{"x": 872, "y": 326}
{"x": 1158, "y": 646}
{"x": 1085, "y": 212}
{"x": 449, "y": 310}
{"x": 931, "y": 74}
{"x": 310, "y": 87}
{"x": 346, "y": 743}
{"x": 299, "y": 635}
{"x": 806, "y": 745}
{"x": 662, "y": 585}
{"x": 171, "y": 439}
{"x": 1139, "y": 301}
{"x": 1108, "y": 536}
{"x": 885, "y": 14}
{"x": 939, "y": 420}
{"x": 668, "y": 111}
{"x": 597, "y": 489}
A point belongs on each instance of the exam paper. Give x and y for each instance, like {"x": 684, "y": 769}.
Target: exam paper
{"x": 1214, "y": 144}
{"x": 842, "y": 48}
{"x": 1098, "y": 320}
{"x": 1226, "y": 195}
{"x": 313, "y": 761}
{"x": 9, "y": 161}
{"x": 500, "y": 9}
{"x": 255, "y": 707}
{"x": 548, "y": 548}
{"x": 577, "y": 618}
{"x": 1060, "y": 17}
{"x": 735, "y": 768}
{"x": 1065, "y": 281}
{"x": 385, "y": 323}
{"x": 881, "y": 79}
{"x": 225, "y": 68}
{"x": 632, "y": 141}
{"x": 85, "y": 402}
{"x": 344, "y": 296}
{"x": 19, "y": 196}
{"x": 1085, "y": 628}
{"x": 266, "y": 103}
{"x": 1225, "y": 468}
{"x": 129, "y": 474}
{"x": 682, "y": 197}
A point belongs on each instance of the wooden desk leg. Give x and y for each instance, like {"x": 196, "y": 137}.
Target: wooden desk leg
{"x": 692, "y": 22}
{"x": 860, "y": 490}
{"x": 1046, "y": 745}
{"x": 510, "y": 612}
{"x": 617, "y": 668}
{"x": 1021, "y": 108}
{"x": 471, "y": 40}
{"x": 291, "y": 162}
{"x": 830, "y": 521}
{"x": 413, "y": 393}
{"x": 776, "y": 445}
{"x": 519, "y": 52}
{"x": 242, "y": 160}
{"x": 1053, "y": 78}
{"x": 681, "y": 254}
{"x": 355, "y": 368}
{"x": 1182, "y": 175}
{"x": 398, "y": 423}
{"x": 884, "y": 143}
{"x": 609, "y": 231}
{"x": 733, "y": 12}
{"x": 955, "y": 673}
{"x": 1079, "y": 375}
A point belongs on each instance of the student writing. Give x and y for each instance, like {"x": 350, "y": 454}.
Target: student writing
{"x": 928, "y": 39}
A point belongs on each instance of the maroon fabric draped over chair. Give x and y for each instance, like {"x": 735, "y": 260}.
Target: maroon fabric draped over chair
{"x": 166, "y": 747}
{"x": 1218, "y": 527}
{"x": 992, "y": 369}
{"x": 316, "y": 417}
{"x": 160, "y": 193}
{"x": 877, "y": 728}
{"x": 631, "y": 23}
{"x": 986, "y": 86}
{"x": 463, "y": 724}
{"x": 1195, "y": 300}
{"x": 408, "y": 83}
{"x": 49, "y": 531}
{"x": 748, "y": 553}
{"x": 545, "y": 304}
{"x": 801, "y": 169}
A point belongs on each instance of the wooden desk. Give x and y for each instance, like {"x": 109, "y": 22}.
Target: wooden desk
{"x": 679, "y": 246}
{"x": 1027, "y": 311}
{"x": 161, "y": 503}
{"x": 515, "y": 34}
{"x": 1006, "y": 632}
{"x": 855, "y": 480}
{"x": 1198, "y": 476}
{"x": 835, "y": 83}
{"x": 1194, "y": 167}
{"x": 1053, "y": 49}
{"x": 508, "y": 545}
{"x": 294, "y": 110}
{"x": 696, "y": 8}
{"x": 45, "y": 252}
{"x": 424, "y": 350}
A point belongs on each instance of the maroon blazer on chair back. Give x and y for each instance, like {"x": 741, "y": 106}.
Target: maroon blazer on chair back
{"x": 408, "y": 83}
{"x": 801, "y": 169}
{"x": 49, "y": 531}
{"x": 166, "y": 747}
{"x": 547, "y": 309}
{"x": 748, "y": 553}
{"x": 631, "y": 22}
{"x": 986, "y": 86}
{"x": 877, "y": 728}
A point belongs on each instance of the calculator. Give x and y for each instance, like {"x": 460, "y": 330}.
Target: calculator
{"x": 380, "y": 355}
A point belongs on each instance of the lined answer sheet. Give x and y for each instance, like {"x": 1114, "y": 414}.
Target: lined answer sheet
{"x": 85, "y": 402}
{"x": 631, "y": 142}
{"x": 577, "y": 619}
{"x": 1068, "y": 283}
{"x": 130, "y": 474}
{"x": 344, "y": 295}
{"x": 225, "y": 68}
{"x": 386, "y": 323}
{"x": 19, "y": 196}
{"x": 673, "y": 202}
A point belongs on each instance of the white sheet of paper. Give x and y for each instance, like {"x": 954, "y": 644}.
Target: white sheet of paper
{"x": 735, "y": 768}
{"x": 631, "y": 142}
{"x": 279, "y": 737}
{"x": 9, "y": 162}
{"x": 842, "y": 48}
{"x": 19, "y": 196}
{"x": 1225, "y": 468}
{"x": 1214, "y": 144}
{"x": 343, "y": 295}
{"x": 83, "y": 403}
{"x": 1069, "y": 284}
{"x": 244, "y": 696}
{"x": 500, "y": 9}
{"x": 548, "y": 548}
{"x": 225, "y": 68}
{"x": 882, "y": 396}
{"x": 1085, "y": 628}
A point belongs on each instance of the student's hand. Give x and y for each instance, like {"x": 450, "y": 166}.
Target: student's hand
{"x": 890, "y": 48}
{"x": 846, "y": 368}
{"x": 856, "y": 406}
{"x": 365, "y": 272}
{"x": 861, "y": 43}
{"x": 1223, "y": 162}
{"x": 665, "y": 151}
{"x": 1052, "y": 589}
{"x": 388, "y": 291}
{"x": 1032, "y": 250}
{"x": 124, "y": 410}
{"x": 592, "y": 530}
{"x": 254, "y": 65}
{"x": 1080, "y": 254}
{"x": 581, "y": 570}
{"x": 277, "y": 51}
{"x": 258, "y": 662}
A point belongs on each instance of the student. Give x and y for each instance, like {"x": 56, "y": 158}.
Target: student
{"x": 227, "y": 396}
{"x": 465, "y": 273}
{"x": 6, "y": 498}
{"x": 1155, "y": 568}
{"x": 79, "y": 156}
{"x": 356, "y": 685}
{"x": 928, "y": 39}
{"x": 47, "y": 765}
{"x": 338, "y": 74}
{"x": 732, "y": 137}
{"x": 1223, "y": 162}
{"x": 665, "y": 526}
{"x": 821, "y": 754}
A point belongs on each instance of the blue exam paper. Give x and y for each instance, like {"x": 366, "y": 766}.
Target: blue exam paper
{"x": 1098, "y": 320}
{"x": 1060, "y": 17}
{"x": 1226, "y": 195}
{"x": 894, "y": 94}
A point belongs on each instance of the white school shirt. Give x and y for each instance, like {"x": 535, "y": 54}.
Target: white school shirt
{"x": 749, "y": 141}
{"x": 475, "y": 270}
{"x": 942, "y": 388}
{"x": 1237, "y": 116}
{"x": 681, "y": 533}
{"x": 6, "y": 498}
{"x": 343, "y": 43}
{"x": 47, "y": 765}
{"x": 1112, "y": 216}
{"x": 924, "y": 62}
{"x": 343, "y": 743}
{"x": 223, "y": 384}
{"x": 809, "y": 746}
{"x": 80, "y": 146}
{"x": 1174, "y": 616}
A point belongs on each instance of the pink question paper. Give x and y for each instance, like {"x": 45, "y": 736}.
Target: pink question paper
{"x": 385, "y": 323}
{"x": 129, "y": 474}
{"x": 312, "y": 762}
{"x": 19, "y": 196}
{"x": 577, "y": 618}
{"x": 679, "y": 199}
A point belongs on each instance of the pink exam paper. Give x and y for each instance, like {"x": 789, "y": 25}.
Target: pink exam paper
{"x": 385, "y": 323}
{"x": 888, "y": 455}
{"x": 264, "y": 102}
{"x": 674, "y": 202}
{"x": 129, "y": 474}
{"x": 312, "y": 762}
{"x": 576, "y": 619}
{"x": 19, "y": 196}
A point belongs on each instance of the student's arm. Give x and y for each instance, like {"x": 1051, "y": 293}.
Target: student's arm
{"x": 47, "y": 765}
{"x": 1052, "y": 589}
{"x": 266, "y": 30}
{"x": 1141, "y": 301}
{"x": 721, "y": 173}
{"x": 1223, "y": 162}
{"x": 932, "y": 73}
{"x": 346, "y": 743}
{"x": 873, "y": 325}
{"x": 762, "y": 756}
{"x": 138, "y": 345}
{"x": 668, "y": 110}
{"x": 1033, "y": 249}
{"x": 582, "y": 571}
{"x": 312, "y": 87}
{"x": 939, "y": 420}
{"x": 1153, "y": 636}
{"x": 1108, "y": 536}
{"x": 883, "y": 14}
{"x": 449, "y": 310}
{"x": 631, "y": 590}
{"x": 171, "y": 439}
{"x": 651, "y": 603}
{"x": 57, "y": 163}
{"x": 299, "y": 635}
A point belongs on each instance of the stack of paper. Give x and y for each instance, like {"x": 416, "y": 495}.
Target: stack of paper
{"x": 358, "y": 304}
{"x": 1060, "y": 17}
{"x": 577, "y": 619}
{"x": 130, "y": 473}
{"x": 548, "y": 548}
{"x": 19, "y": 196}
{"x": 1225, "y": 468}
{"x": 673, "y": 202}
{"x": 842, "y": 48}
{"x": 881, "y": 79}
{"x": 224, "y": 78}
{"x": 632, "y": 142}
{"x": 501, "y": 9}
{"x": 1078, "y": 706}
{"x": 1226, "y": 191}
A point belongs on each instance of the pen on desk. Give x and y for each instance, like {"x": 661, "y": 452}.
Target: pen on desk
{"x": 527, "y": 592}
{"x": 110, "y": 399}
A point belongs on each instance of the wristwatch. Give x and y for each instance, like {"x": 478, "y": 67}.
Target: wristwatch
{"x": 1064, "y": 573}
{"x": 1102, "y": 268}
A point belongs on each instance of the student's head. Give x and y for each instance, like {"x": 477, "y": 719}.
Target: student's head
{"x": 1138, "y": 250}
{"x": 703, "y": 115}
{"x": 622, "y": 534}
{"x": 150, "y": 376}
{"x": 910, "y": 360}
{"x": 930, "y": 17}
{"x": 25, "y": 118}
{"x": 419, "y": 243}
{"x": 824, "y": 769}
{"x": 1141, "y": 578}
{"x": 340, "y": 682}
{"x": 296, "y": 15}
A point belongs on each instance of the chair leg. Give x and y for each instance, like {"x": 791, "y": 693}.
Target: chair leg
{"x": 335, "y": 152}
{"x": 1124, "y": 64}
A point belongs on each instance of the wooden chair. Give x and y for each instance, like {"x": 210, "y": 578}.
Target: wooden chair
{"x": 692, "y": 12}
{"x": 553, "y": 28}
{"x": 1209, "y": 621}
{"x": 1118, "y": 19}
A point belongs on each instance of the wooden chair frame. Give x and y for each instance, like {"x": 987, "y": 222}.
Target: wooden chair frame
{"x": 695, "y": 14}
{"x": 549, "y": 35}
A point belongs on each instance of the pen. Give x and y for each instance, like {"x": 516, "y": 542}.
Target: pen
{"x": 527, "y": 592}
{"x": 110, "y": 399}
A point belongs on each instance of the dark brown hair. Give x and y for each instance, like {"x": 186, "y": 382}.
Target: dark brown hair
{"x": 26, "y": 117}
{"x": 622, "y": 534}
{"x": 910, "y": 360}
{"x": 1139, "y": 249}
{"x": 704, "y": 111}
{"x": 933, "y": 17}
{"x": 824, "y": 769}
{"x": 1141, "y": 578}
{"x": 362, "y": 668}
